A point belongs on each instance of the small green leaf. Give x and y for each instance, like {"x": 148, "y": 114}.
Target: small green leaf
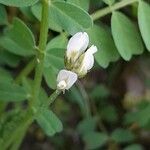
{"x": 124, "y": 33}
{"x": 50, "y": 76}
{"x": 3, "y": 15}
{"x": 7, "y": 58}
{"x": 134, "y": 147}
{"x": 81, "y": 3}
{"x": 107, "y": 51}
{"x": 12, "y": 92}
{"x": 95, "y": 140}
{"x": 109, "y": 2}
{"x": 66, "y": 16}
{"x": 5, "y": 76}
{"x": 55, "y": 52}
{"x": 87, "y": 125}
{"x": 18, "y": 39}
{"x": 109, "y": 114}
{"x": 122, "y": 136}
{"x": 144, "y": 22}
{"x": 49, "y": 122}
{"x": 18, "y": 3}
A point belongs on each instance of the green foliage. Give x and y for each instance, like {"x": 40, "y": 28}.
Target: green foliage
{"x": 124, "y": 33}
{"x": 95, "y": 140}
{"x": 81, "y": 3}
{"x": 109, "y": 2}
{"x": 7, "y": 58}
{"x": 18, "y": 39}
{"x": 107, "y": 51}
{"x": 100, "y": 92}
{"x": 122, "y": 136}
{"x": 134, "y": 147}
{"x": 3, "y": 15}
{"x": 93, "y": 115}
{"x": 87, "y": 125}
{"x": 109, "y": 114}
{"x": 5, "y": 76}
{"x": 12, "y": 92}
{"x": 144, "y": 22}
{"x": 49, "y": 122}
{"x": 65, "y": 16}
{"x": 18, "y": 3}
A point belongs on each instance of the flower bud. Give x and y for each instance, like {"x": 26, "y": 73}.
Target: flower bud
{"x": 76, "y": 46}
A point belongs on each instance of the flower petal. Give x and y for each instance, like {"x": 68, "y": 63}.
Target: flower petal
{"x": 72, "y": 78}
{"x": 78, "y": 43}
{"x": 68, "y": 76}
{"x": 92, "y": 49}
{"x": 88, "y": 61}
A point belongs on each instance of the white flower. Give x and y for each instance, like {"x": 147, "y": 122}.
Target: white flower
{"x": 66, "y": 79}
{"x": 88, "y": 60}
{"x": 77, "y": 45}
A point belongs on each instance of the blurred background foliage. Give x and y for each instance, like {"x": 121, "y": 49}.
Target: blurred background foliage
{"x": 110, "y": 107}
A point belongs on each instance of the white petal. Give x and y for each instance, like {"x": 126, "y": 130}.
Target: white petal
{"x": 78, "y": 43}
{"x": 88, "y": 61}
{"x": 72, "y": 78}
{"x": 62, "y": 75}
{"x": 68, "y": 76}
{"x": 92, "y": 49}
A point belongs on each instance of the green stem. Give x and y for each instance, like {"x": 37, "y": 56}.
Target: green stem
{"x": 53, "y": 96}
{"x": 40, "y": 53}
{"x": 85, "y": 98}
{"x": 102, "y": 12}
{"x": 26, "y": 71}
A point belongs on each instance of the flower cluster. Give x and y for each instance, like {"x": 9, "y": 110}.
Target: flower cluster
{"x": 78, "y": 60}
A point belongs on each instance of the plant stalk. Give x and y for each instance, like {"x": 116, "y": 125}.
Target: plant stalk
{"x": 102, "y": 12}
{"x": 40, "y": 53}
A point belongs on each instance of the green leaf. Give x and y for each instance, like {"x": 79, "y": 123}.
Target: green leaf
{"x": 27, "y": 13}
{"x": 122, "y": 136}
{"x": 144, "y": 22}
{"x": 95, "y": 140}
{"x": 81, "y": 3}
{"x": 9, "y": 59}
{"x": 5, "y": 76}
{"x": 3, "y": 15}
{"x": 107, "y": 51}
{"x": 87, "y": 125}
{"x": 37, "y": 11}
{"x": 124, "y": 33}
{"x": 134, "y": 147}
{"x": 66, "y": 16}
{"x": 109, "y": 2}
{"x": 49, "y": 122}
{"x": 100, "y": 92}
{"x": 18, "y": 39}
{"x": 55, "y": 52}
{"x": 109, "y": 114}
{"x": 50, "y": 76}
{"x": 18, "y": 3}
{"x": 12, "y": 92}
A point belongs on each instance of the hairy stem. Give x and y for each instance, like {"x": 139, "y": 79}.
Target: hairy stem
{"x": 40, "y": 52}
{"x": 53, "y": 96}
{"x": 102, "y": 12}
